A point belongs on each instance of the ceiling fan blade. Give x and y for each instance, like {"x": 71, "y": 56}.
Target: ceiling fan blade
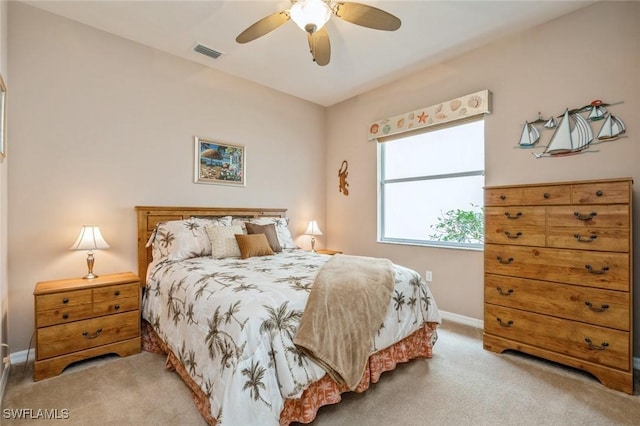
{"x": 366, "y": 16}
{"x": 262, "y": 27}
{"x": 320, "y": 46}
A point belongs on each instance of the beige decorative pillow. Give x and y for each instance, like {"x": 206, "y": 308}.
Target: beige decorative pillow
{"x": 253, "y": 245}
{"x": 269, "y": 231}
{"x": 223, "y": 242}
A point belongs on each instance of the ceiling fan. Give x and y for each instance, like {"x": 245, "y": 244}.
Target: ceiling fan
{"x": 312, "y": 15}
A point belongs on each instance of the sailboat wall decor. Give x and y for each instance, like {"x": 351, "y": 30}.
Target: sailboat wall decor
{"x": 573, "y": 133}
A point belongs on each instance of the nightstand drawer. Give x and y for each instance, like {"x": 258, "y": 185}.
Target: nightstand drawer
{"x": 63, "y": 315}
{"x": 115, "y": 292}
{"x": 46, "y": 302}
{"x": 79, "y": 335}
{"x": 109, "y": 307}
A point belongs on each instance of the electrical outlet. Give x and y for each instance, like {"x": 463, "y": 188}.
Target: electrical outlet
{"x": 428, "y": 276}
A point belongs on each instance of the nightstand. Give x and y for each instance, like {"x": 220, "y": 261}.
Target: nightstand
{"x": 329, "y": 252}
{"x": 81, "y": 318}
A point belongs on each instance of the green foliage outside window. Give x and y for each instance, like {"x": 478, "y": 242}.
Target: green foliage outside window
{"x": 461, "y": 226}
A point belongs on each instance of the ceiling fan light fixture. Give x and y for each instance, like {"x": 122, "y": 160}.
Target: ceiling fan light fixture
{"x": 310, "y": 15}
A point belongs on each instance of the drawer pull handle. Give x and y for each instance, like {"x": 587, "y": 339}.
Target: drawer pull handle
{"x": 504, "y": 324}
{"x": 599, "y": 193}
{"x": 547, "y": 195}
{"x": 65, "y": 316}
{"x": 117, "y": 292}
{"x": 92, "y": 335}
{"x": 581, "y": 216}
{"x": 600, "y": 347}
{"x": 505, "y": 262}
{"x": 512, "y": 236}
{"x": 602, "y": 308}
{"x": 595, "y": 271}
{"x": 504, "y": 293}
{"x": 65, "y": 300}
{"x": 503, "y": 197}
{"x": 116, "y": 307}
{"x": 582, "y": 239}
{"x": 511, "y": 216}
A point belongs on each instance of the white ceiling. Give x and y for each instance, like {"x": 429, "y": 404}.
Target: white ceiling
{"x": 361, "y": 58}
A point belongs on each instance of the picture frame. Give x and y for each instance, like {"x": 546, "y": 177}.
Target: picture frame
{"x": 219, "y": 163}
{"x": 3, "y": 119}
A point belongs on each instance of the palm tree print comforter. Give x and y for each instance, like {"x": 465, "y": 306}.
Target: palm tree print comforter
{"x": 232, "y": 322}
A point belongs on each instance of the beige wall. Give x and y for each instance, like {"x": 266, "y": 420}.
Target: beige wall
{"x": 4, "y": 288}
{"x": 593, "y": 53}
{"x": 101, "y": 124}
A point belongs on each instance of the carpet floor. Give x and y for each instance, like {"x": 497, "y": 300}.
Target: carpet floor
{"x": 461, "y": 385}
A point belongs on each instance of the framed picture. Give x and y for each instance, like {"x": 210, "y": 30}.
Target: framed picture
{"x": 219, "y": 163}
{"x": 3, "y": 119}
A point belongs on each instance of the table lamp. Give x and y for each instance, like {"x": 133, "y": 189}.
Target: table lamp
{"x": 90, "y": 239}
{"x": 313, "y": 229}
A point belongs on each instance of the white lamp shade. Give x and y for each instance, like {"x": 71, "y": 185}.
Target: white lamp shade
{"x": 90, "y": 238}
{"x": 310, "y": 15}
{"x": 313, "y": 229}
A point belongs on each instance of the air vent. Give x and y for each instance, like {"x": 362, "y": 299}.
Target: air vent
{"x": 207, "y": 51}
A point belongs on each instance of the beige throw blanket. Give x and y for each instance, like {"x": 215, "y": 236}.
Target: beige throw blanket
{"x": 348, "y": 303}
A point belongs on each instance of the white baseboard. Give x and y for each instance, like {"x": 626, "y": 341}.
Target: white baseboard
{"x": 461, "y": 319}
{"x": 477, "y": 323}
{"x": 21, "y": 357}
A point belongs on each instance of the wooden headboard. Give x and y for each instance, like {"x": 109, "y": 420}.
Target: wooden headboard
{"x": 149, "y": 217}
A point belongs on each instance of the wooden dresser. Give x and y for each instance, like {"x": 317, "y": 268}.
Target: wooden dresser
{"x": 558, "y": 275}
{"x": 81, "y": 318}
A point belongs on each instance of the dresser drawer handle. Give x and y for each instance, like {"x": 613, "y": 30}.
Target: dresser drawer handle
{"x": 65, "y": 300}
{"x": 504, "y": 293}
{"x": 504, "y": 324}
{"x": 581, "y": 216}
{"x": 65, "y": 316}
{"x": 600, "y": 347}
{"x": 602, "y": 308}
{"x": 582, "y": 239}
{"x": 116, "y": 307}
{"x": 92, "y": 335}
{"x": 512, "y": 216}
{"x": 503, "y": 197}
{"x": 599, "y": 193}
{"x": 512, "y": 236}
{"x": 505, "y": 262}
{"x": 595, "y": 271}
{"x": 116, "y": 293}
{"x": 546, "y": 195}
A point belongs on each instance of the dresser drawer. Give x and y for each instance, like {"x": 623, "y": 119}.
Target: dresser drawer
{"x": 503, "y": 197}
{"x": 109, "y": 307}
{"x": 515, "y": 216}
{"x": 72, "y": 337}
{"x": 63, "y": 315}
{"x": 592, "y": 216}
{"x": 587, "y": 342}
{"x": 45, "y": 302}
{"x": 604, "y": 239}
{"x": 605, "y": 270}
{"x": 517, "y": 235}
{"x": 594, "y": 306}
{"x": 547, "y": 195}
{"x": 115, "y": 292}
{"x": 601, "y": 193}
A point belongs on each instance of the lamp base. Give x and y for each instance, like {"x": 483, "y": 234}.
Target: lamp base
{"x": 89, "y": 276}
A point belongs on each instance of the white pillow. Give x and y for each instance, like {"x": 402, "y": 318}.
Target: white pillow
{"x": 223, "y": 241}
{"x": 179, "y": 240}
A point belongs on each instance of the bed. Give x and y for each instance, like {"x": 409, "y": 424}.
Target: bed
{"x": 228, "y": 298}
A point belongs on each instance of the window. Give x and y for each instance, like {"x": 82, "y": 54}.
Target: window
{"x": 431, "y": 187}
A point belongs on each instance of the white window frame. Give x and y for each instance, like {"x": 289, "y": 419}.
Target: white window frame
{"x": 382, "y": 181}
